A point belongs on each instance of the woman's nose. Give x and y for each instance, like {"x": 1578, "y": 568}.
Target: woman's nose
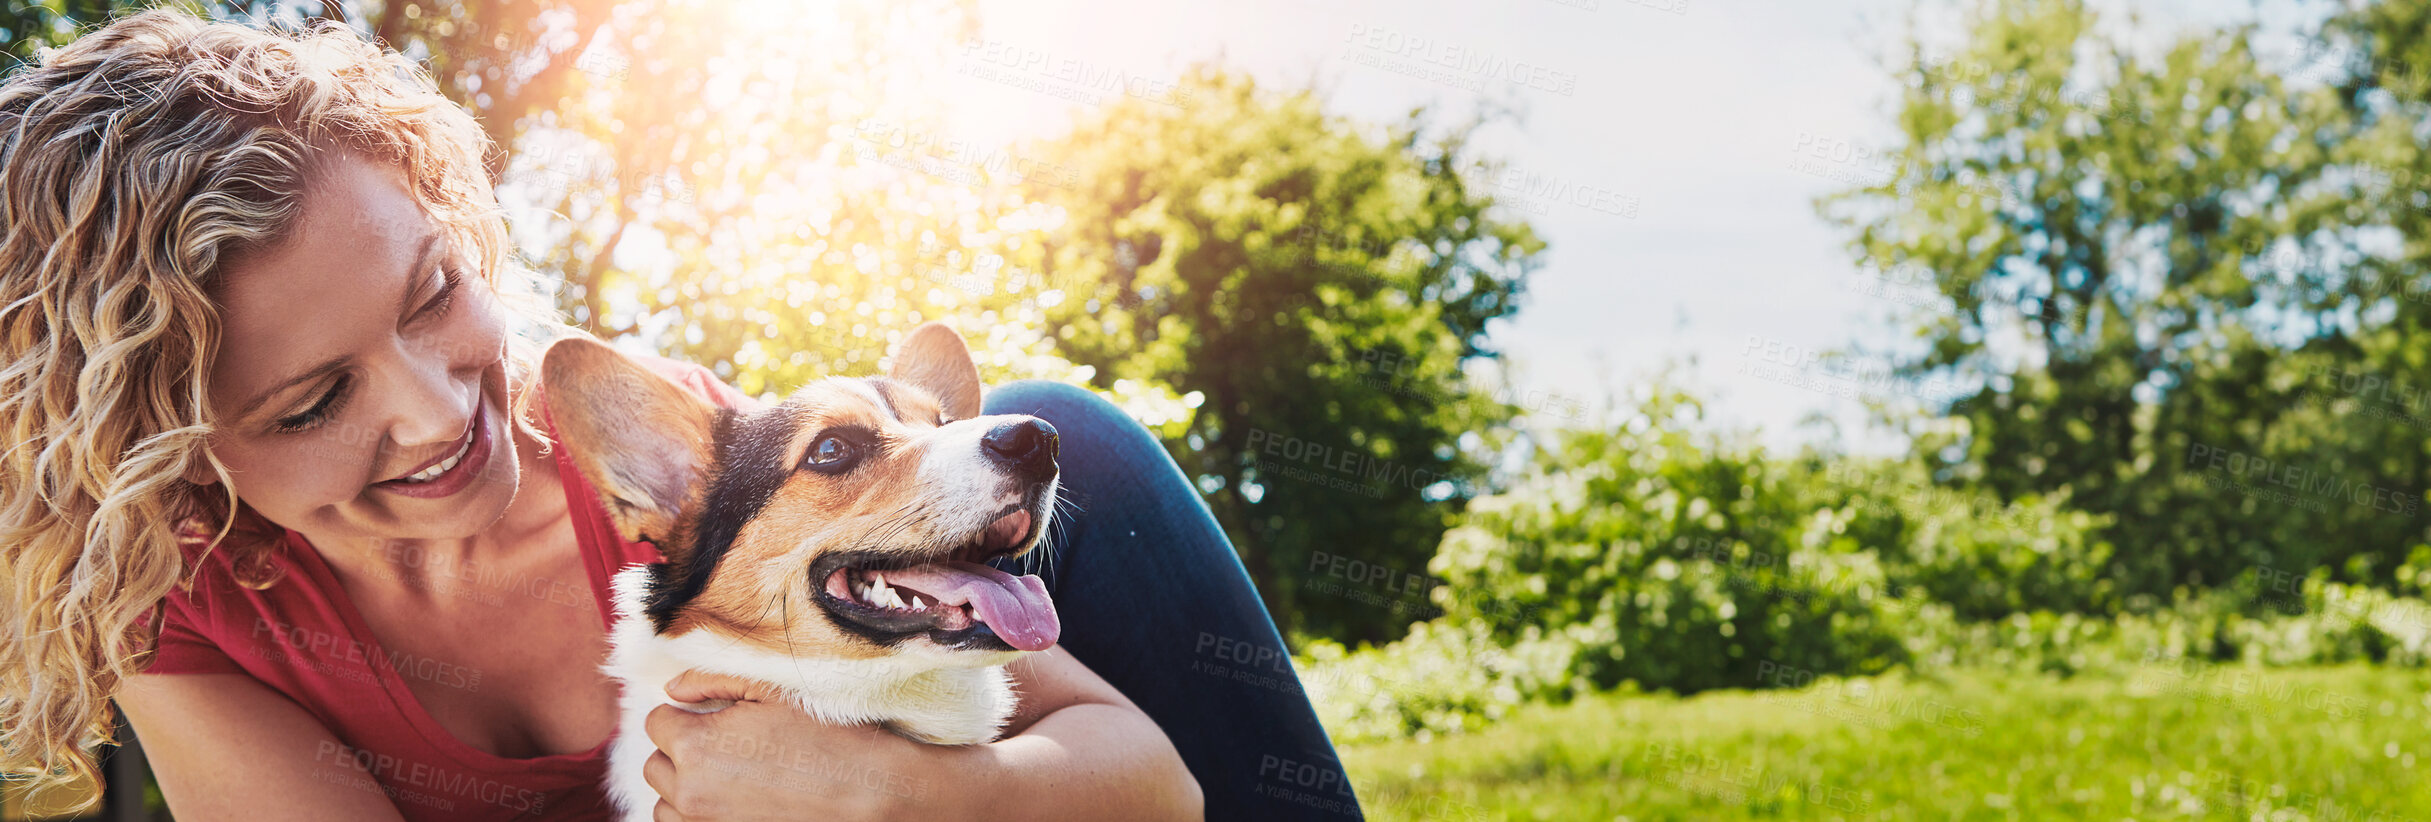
{"x": 429, "y": 404}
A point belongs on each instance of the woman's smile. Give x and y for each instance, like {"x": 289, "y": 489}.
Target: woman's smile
{"x": 444, "y": 475}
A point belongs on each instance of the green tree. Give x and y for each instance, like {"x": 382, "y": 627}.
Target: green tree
{"x": 2168, "y": 274}
{"x": 1318, "y": 286}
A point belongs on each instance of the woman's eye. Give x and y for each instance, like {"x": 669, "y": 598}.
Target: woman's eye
{"x": 831, "y": 453}
{"x": 321, "y": 410}
{"x": 449, "y": 280}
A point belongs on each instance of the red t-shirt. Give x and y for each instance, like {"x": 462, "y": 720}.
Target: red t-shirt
{"x": 303, "y": 637}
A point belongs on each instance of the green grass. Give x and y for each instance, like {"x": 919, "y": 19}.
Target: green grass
{"x": 2349, "y": 744}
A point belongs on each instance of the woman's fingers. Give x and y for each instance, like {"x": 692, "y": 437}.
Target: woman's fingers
{"x": 668, "y": 728}
{"x": 659, "y": 772}
{"x": 694, "y": 687}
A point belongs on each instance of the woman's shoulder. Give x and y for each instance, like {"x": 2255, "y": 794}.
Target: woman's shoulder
{"x": 235, "y": 599}
{"x": 233, "y": 570}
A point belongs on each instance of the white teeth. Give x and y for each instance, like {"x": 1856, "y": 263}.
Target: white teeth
{"x": 874, "y": 591}
{"x": 433, "y": 472}
{"x": 879, "y": 594}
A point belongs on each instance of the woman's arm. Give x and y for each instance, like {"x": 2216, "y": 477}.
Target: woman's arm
{"x": 227, "y": 747}
{"x": 1076, "y": 749}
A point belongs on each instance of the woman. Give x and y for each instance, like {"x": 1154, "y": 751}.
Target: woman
{"x": 255, "y": 302}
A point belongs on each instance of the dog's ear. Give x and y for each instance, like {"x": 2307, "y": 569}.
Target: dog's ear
{"x": 641, "y": 440}
{"x": 934, "y": 358}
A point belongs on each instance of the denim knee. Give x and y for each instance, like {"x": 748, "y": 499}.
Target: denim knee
{"x": 1057, "y": 403}
{"x": 1003, "y": 399}
{"x": 1100, "y": 438}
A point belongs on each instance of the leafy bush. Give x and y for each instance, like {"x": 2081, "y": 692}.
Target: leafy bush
{"x": 1443, "y": 676}
{"x": 1648, "y": 556}
{"x": 1672, "y": 559}
{"x": 1656, "y": 556}
{"x": 1983, "y": 557}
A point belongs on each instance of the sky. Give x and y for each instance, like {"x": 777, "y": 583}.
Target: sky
{"x": 1657, "y": 150}
{"x": 1669, "y": 151}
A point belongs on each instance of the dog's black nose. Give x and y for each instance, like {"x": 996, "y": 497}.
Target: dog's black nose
{"x": 1028, "y": 447}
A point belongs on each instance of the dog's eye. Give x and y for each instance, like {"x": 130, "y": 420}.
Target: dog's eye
{"x": 831, "y": 453}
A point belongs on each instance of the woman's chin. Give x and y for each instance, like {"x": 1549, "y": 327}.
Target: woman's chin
{"x": 467, "y": 518}
{"x": 480, "y": 503}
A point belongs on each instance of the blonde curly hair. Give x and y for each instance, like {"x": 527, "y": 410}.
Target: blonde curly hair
{"x": 132, "y": 162}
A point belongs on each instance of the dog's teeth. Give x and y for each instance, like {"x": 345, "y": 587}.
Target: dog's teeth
{"x": 871, "y": 589}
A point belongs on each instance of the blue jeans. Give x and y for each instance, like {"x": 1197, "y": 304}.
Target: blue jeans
{"x": 1153, "y": 599}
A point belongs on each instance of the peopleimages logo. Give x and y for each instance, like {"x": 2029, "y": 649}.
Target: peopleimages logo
{"x": 1392, "y": 43}
{"x": 322, "y": 645}
{"x": 1529, "y": 190}
{"x": 1070, "y": 78}
{"x": 1319, "y": 785}
{"x": 2300, "y": 479}
{"x": 397, "y": 775}
{"x": 1347, "y": 462}
{"x": 964, "y": 159}
{"x": 2375, "y": 387}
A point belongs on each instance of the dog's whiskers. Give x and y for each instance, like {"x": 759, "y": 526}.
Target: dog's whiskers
{"x": 785, "y": 603}
{"x": 1047, "y": 547}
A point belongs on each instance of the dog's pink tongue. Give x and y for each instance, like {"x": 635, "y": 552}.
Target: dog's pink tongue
{"x": 1017, "y": 608}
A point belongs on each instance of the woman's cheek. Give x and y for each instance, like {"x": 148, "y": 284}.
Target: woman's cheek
{"x": 287, "y": 480}
{"x": 479, "y": 337}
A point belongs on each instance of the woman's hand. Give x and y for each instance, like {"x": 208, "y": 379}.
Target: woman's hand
{"x": 1075, "y": 750}
{"x": 763, "y": 759}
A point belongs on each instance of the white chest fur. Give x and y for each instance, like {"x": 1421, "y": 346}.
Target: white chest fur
{"x": 927, "y": 696}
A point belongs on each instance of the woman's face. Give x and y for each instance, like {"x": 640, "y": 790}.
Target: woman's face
{"x": 360, "y": 389}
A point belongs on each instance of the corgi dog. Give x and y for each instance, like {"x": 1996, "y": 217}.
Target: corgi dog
{"x": 831, "y": 546}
